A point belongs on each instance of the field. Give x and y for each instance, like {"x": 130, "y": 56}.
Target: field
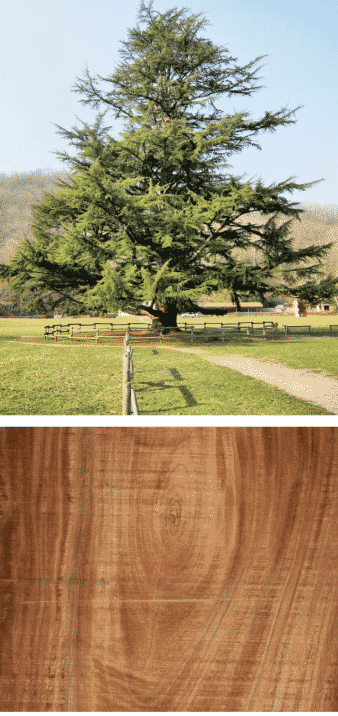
{"x": 31, "y": 327}
{"x": 47, "y": 378}
{"x": 318, "y": 355}
{"x": 316, "y": 320}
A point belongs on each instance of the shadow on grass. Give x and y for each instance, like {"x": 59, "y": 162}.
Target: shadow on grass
{"x": 187, "y": 395}
{"x": 252, "y": 342}
{"x": 175, "y": 374}
{"x": 161, "y": 385}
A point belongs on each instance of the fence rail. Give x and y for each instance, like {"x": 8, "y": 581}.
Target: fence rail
{"x": 195, "y": 332}
{"x": 74, "y": 331}
{"x": 128, "y": 393}
{"x": 107, "y": 331}
{"x": 310, "y": 329}
{"x": 71, "y": 330}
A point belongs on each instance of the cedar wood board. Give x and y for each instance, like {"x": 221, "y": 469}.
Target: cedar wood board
{"x": 169, "y": 569}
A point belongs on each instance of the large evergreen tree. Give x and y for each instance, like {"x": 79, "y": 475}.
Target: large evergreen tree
{"x": 152, "y": 220}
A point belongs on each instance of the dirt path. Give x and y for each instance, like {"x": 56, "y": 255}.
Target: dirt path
{"x": 320, "y": 390}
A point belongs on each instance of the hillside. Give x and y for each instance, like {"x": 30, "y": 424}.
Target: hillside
{"x": 17, "y": 194}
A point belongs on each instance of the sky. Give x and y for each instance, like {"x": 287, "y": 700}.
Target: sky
{"x": 45, "y": 47}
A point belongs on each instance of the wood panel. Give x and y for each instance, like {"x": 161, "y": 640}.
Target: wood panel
{"x": 168, "y": 569}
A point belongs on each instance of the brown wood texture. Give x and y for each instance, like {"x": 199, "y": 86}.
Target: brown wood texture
{"x": 169, "y": 569}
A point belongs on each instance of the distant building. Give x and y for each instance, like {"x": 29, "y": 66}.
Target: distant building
{"x": 246, "y": 306}
{"x": 323, "y": 308}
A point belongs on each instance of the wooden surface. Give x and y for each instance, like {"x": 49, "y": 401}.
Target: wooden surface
{"x": 169, "y": 569}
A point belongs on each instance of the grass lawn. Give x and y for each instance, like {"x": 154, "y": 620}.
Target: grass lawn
{"x": 44, "y": 378}
{"x": 34, "y": 327}
{"x": 63, "y": 379}
{"x": 17, "y": 327}
{"x": 315, "y": 320}
{"x": 320, "y": 355}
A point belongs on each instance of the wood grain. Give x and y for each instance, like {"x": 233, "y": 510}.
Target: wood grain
{"x": 169, "y": 569}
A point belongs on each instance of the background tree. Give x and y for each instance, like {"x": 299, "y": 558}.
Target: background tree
{"x": 150, "y": 220}
{"x": 325, "y": 290}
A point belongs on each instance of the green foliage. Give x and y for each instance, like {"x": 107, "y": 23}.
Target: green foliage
{"x": 152, "y": 220}
{"x": 318, "y": 291}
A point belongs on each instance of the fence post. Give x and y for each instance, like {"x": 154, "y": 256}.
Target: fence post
{"x": 134, "y": 402}
{"x": 131, "y": 364}
{"x": 222, "y": 334}
{"x": 71, "y": 332}
{"x": 126, "y": 386}
{"x": 192, "y": 335}
{"x": 97, "y": 335}
{"x": 286, "y": 329}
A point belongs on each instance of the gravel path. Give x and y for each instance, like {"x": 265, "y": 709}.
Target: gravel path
{"x": 321, "y": 390}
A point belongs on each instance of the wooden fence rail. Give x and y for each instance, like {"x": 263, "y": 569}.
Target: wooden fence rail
{"x": 229, "y": 326}
{"x": 288, "y": 329}
{"x": 128, "y": 394}
{"x": 195, "y": 332}
{"x": 191, "y": 332}
{"x": 81, "y": 330}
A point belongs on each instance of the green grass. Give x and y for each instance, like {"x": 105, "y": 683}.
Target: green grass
{"x": 314, "y": 319}
{"x": 320, "y": 355}
{"x": 43, "y": 378}
{"x": 63, "y": 379}
{"x": 11, "y": 328}
{"x": 17, "y": 327}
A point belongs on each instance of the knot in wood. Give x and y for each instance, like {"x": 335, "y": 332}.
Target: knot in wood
{"x": 173, "y": 516}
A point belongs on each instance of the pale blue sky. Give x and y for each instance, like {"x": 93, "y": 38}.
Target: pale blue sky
{"x": 46, "y": 45}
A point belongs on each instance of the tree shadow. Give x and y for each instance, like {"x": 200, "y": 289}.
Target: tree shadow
{"x": 186, "y": 393}
{"x": 175, "y": 374}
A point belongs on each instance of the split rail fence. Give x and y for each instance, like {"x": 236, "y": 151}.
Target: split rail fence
{"x": 107, "y": 331}
{"x": 91, "y": 331}
{"x": 298, "y": 329}
{"x": 110, "y": 331}
{"x": 128, "y": 393}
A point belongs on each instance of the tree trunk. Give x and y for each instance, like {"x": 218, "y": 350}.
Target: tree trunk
{"x": 236, "y": 299}
{"x": 163, "y": 318}
{"x": 166, "y": 320}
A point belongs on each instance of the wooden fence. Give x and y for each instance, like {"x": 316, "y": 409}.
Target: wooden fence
{"x": 128, "y": 394}
{"x": 310, "y": 329}
{"x": 80, "y": 331}
{"x": 190, "y": 333}
{"x": 219, "y": 331}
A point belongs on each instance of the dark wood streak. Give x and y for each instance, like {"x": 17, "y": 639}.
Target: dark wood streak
{"x": 168, "y": 569}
